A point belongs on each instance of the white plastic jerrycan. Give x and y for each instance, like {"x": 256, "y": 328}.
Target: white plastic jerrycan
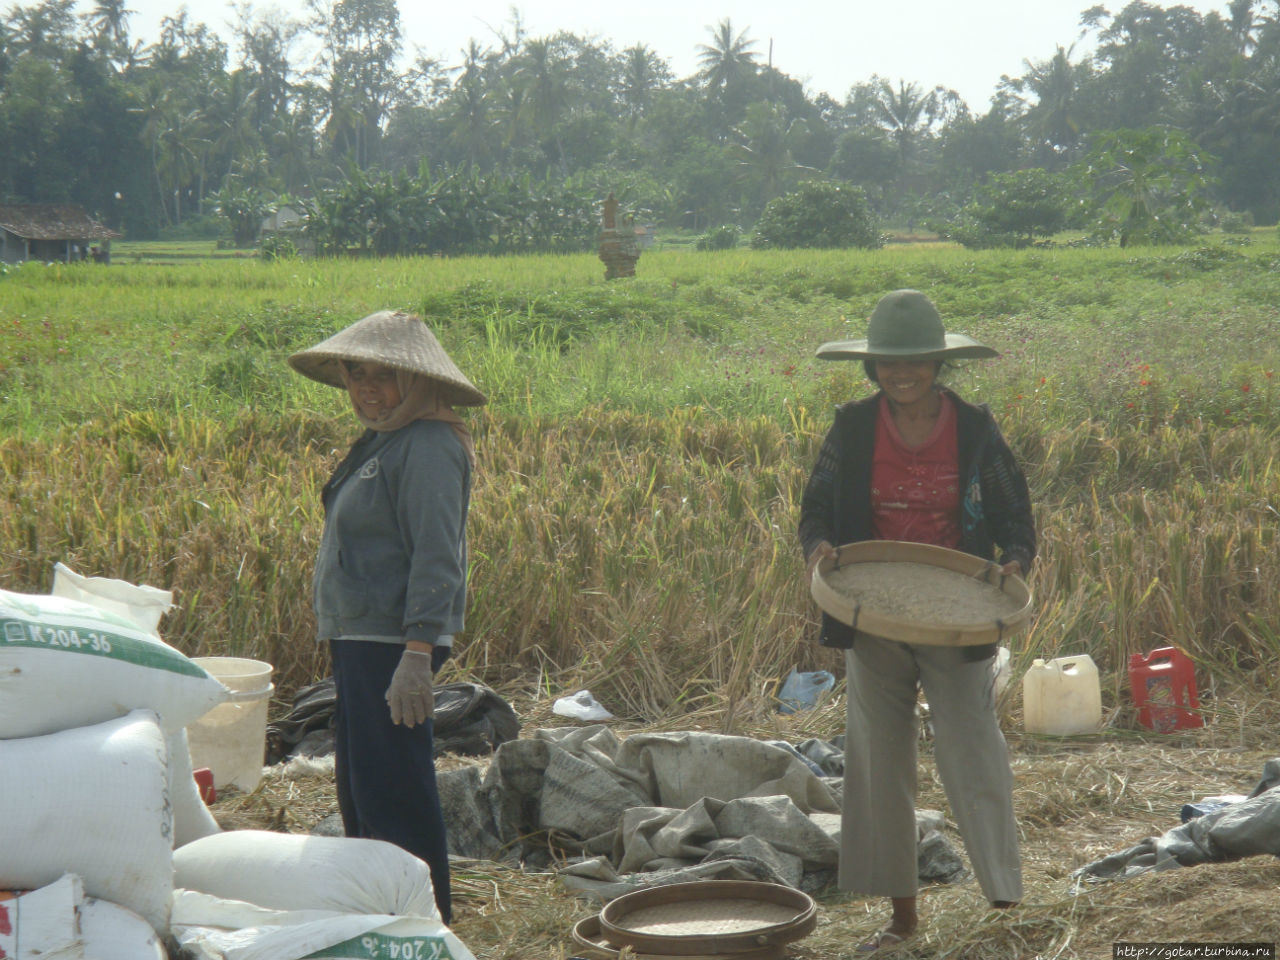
{"x": 1062, "y": 697}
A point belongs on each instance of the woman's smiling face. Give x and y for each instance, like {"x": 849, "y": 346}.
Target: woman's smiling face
{"x": 907, "y": 382}
{"x": 373, "y": 389}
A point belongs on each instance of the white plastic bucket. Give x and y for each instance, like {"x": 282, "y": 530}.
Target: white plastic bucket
{"x": 231, "y": 738}
{"x": 1062, "y": 697}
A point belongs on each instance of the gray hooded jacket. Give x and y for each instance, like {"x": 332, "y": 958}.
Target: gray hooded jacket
{"x": 392, "y": 564}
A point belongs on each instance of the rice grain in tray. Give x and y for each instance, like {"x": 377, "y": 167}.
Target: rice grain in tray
{"x": 922, "y": 592}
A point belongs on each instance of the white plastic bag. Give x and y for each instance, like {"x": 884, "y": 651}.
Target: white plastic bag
{"x": 581, "y": 706}
{"x": 65, "y": 664}
{"x": 93, "y": 801}
{"x": 209, "y": 928}
{"x": 296, "y": 871}
{"x": 800, "y": 691}
{"x": 138, "y": 603}
{"x": 1001, "y": 670}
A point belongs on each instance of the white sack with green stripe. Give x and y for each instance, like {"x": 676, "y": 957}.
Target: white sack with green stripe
{"x": 65, "y": 664}
{"x": 210, "y": 928}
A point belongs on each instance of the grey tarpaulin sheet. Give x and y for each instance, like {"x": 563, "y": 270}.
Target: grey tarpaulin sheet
{"x": 661, "y": 808}
{"x": 1245, "y": 829}
{"x": 470, "y": 719}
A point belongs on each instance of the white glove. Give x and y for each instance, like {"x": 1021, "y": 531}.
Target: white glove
{"x": 410, "y": 696}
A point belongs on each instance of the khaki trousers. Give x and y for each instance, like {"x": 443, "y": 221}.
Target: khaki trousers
{"x": 878, "y": 827}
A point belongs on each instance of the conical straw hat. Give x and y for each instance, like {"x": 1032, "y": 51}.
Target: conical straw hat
{"x": 394, "y": 339}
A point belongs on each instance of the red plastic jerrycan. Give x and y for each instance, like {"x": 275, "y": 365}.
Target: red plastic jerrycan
{"x": 204, "y": 784}
{"x": 1163, "y": 684}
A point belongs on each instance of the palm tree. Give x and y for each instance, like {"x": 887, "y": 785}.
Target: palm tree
{"x": 293, "y": 142}
{"x": 362, "y": 41}
{"x": 1053, "y": 122}
{"x": 265, "y": 48}
{"x": 44, "y": 29}
{"x": 728, "y": 60}
{"x": 344, "y": 127}
{"x": 765, "y": 156}
{"x": 231, "y": 118}
{"x": 542, "y": 76}
{"x": 642, "y": 73}
{"x": 905, "y": 113}
{"x": 1238, "y": 116}
{"x": 728, "y": 66}
{"x": 471, "y": 133}
{"x": 1241, "y": 21}
{"x": 177, "y": 143}
{"x": 109, "y": 22}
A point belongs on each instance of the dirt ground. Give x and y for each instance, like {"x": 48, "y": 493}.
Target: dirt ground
{"x": 1078, "y": 799}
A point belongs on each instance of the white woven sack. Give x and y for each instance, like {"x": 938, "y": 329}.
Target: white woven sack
{"x": 111, "y": 932}
{"x": 93, "y": 801}
{"x": 191, "y": 818}
{"x": 208, "y": 928}
{"x": 41, "y": 924}
{"x": 138, "y": 603}
{"x": 58, "y": 922}
{"x": 294, "y": 871}
{"x": 66, "y": 664}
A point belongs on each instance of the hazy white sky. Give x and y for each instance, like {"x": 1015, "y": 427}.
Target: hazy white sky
{"x": 827, "y": 44}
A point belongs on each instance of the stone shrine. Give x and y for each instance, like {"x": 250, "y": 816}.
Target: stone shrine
{"x": 618, "y": 247}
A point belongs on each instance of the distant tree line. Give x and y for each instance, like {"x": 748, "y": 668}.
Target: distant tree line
{"x": 504, "y": 147}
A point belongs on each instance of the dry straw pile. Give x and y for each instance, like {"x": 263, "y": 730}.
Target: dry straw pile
{"x": 1077, "y": 800}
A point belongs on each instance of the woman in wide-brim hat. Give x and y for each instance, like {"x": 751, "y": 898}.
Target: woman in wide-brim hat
{"x": 915, "y": 462}
{"x": 391, "y": 573}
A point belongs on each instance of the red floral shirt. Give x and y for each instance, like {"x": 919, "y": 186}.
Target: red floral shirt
{"x": 915, "y": 492}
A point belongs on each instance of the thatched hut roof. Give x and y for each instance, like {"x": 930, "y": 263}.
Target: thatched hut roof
{"x": 52, "y": 221}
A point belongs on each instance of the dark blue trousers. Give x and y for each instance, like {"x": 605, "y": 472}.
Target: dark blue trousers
{"x": 386, "y": 774}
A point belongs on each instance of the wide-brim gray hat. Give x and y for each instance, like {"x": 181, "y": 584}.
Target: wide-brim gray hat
{"x": 905, "y": 324}
{"x": 393, "y": 339}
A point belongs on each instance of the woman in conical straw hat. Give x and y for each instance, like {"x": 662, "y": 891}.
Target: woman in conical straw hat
{"x": 915, "y": 462}
{"x": 390, "y": 579}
